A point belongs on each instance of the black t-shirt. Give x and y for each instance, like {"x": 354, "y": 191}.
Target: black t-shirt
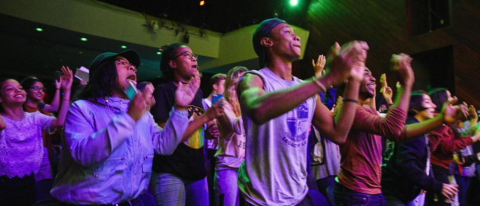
{"x": 188, "y": 160}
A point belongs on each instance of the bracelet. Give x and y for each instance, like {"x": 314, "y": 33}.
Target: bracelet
{"x": 350, "y": 100}
{"x": 319, "y": 84}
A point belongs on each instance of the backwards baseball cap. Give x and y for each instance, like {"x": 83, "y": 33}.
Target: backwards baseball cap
{"x": 263, "y": 30}
{"x": 107, "y": 57}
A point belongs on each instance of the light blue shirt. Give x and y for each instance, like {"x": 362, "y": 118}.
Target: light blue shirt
{"x": 107, "y": 157}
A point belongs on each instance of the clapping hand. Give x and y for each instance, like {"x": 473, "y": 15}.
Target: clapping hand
{"x": 66, "y": 79}
{"x": 186, "y": 92}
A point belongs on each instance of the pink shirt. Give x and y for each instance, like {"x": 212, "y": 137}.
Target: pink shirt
{"x": 362, "y": 152}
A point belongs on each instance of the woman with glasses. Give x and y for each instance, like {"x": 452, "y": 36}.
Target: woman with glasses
{"x": 21, "y": 144}
{"x": 180, "y": 179}
{"x": 35, "y": 93}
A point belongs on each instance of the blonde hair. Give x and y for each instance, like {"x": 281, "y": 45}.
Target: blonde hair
{"x": 231, "y": 81}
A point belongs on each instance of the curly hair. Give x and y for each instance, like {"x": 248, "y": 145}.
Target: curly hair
{"x": 168, "y": 52}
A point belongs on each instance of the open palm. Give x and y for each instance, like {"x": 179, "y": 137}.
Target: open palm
{"x": 66, "y": 79}
{"x": 186, "y": 92}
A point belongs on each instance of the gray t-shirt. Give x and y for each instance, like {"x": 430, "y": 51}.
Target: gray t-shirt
{"x": 274, "y": 171}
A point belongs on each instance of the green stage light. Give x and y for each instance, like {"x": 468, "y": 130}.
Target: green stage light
{"x": 39, "y": 29}
{"x": 83, "y": 39}
{"x": 293, "y": 2}
{"x": 124, "y": 47}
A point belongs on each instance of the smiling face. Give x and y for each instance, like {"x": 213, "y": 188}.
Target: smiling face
{"x": 125, "y": 72}
{"x": 368, "y": 85}
{"x": 36, "y": 92}
{"x": 284, "y": 42}
{"x": 429, "y": 108}
{"x": 184, "y": 64}
{"x": 12, "y": 93}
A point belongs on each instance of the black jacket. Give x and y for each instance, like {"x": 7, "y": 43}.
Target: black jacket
{"x": 404, "y": 174}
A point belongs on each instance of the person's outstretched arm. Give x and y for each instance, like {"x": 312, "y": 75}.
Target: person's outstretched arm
{"x": 262, "y": 107}
{"x": 66, "y": 85}
{"x": 53, "y": 106}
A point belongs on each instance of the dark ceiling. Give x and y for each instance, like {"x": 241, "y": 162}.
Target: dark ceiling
{"x": 28, "y": 52}
{"x": 219, "y": 15}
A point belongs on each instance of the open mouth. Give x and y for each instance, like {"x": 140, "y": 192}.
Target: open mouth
{"x": 132, "y": 78}
{"x": 194, "y": 66}
{"x": 19, "y": 96}
{"x": 371, "y": 86}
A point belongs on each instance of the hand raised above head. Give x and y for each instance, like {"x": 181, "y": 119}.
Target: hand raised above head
{"x": 66, "y": 79}
{"x": 319, "y": 65}
{"x": 352, "y": 56}
{"x": 472, "y": 113}
{"x": 452, "y": 113}
{"x": 402, "y": 64}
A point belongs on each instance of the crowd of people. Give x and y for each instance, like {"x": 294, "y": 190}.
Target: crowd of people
{"x": 261, "y": 137}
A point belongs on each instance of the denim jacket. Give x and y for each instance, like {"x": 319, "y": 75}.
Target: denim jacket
{"x": 107, "y": 157}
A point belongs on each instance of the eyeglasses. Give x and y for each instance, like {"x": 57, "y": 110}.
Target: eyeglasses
{"x": 188, "y": 55}
{"x": 37, "y": 88}
{"x": 124, "y": 63}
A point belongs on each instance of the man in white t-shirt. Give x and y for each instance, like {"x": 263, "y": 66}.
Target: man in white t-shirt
{"x": 278, "y": 110}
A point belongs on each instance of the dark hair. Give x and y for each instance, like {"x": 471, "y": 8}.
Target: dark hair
{"x": 168, "y": 53}
{"x": 216, "y": 78}
{"x": 439, "y": 97}
{"x": 27, "y": 82}
{"x": 141, "y": 86}
{"x": 101, "y": 82}
{"x": 2, "y": 80}
{"x": 416, "y": 99}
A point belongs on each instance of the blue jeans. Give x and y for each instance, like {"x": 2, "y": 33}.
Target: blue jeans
{"x": 326, "y": 186}
{"x": 169, "y": 190}
{"x": 347, "y": 197}
{"x": 463, "y": 183}
{"x": 313, "y": 198}
{"x": 394, "y": 201}
{"x": 226, "y": 187}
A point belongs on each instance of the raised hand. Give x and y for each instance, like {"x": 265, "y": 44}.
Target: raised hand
{"x": 186, "y": 92}
{"x": 350, "y": 61}
{"x": 472, "y": 114}
{"x": 387, "y": 94}
{"x": 319, "y": 66}
{"x": 452, "y": 114}
{"x": 401, "y": 63}
{"x": 352, "y": 56}
{"x": 58, "y": 83}
{"x": 66, "y": 79}
{"x": 383, "y": 80}
{"x": 137, "y": 107}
